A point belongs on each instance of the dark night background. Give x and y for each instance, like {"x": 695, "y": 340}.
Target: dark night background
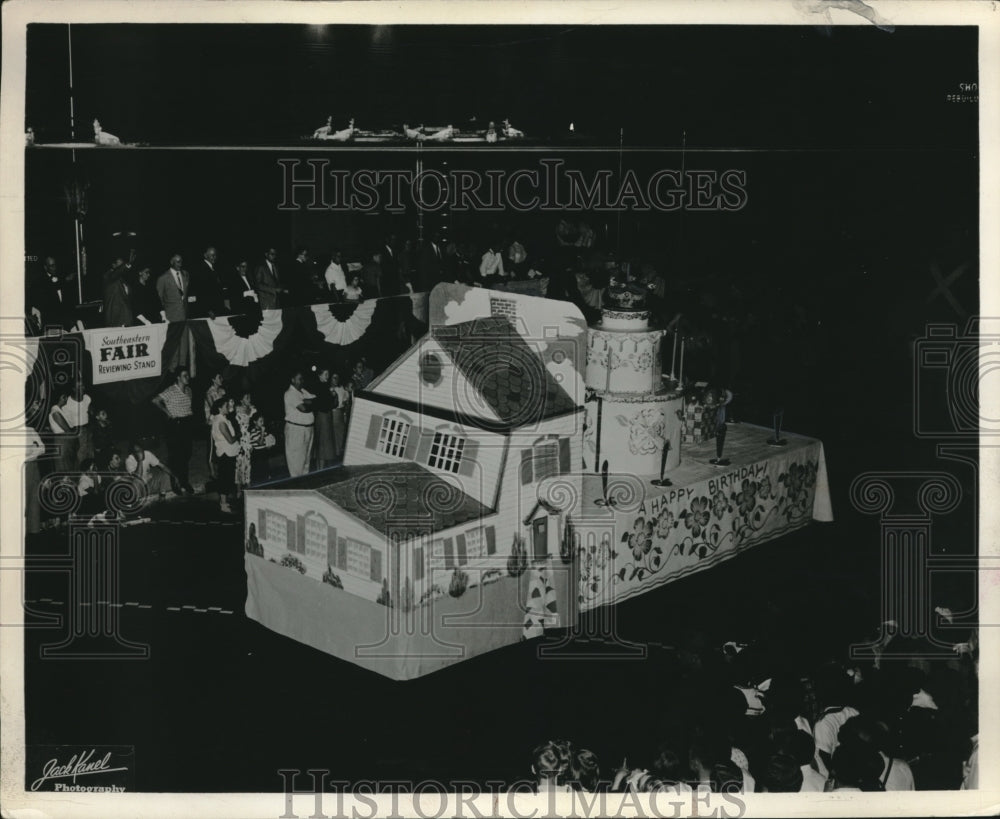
{"x": 860, "y": 178}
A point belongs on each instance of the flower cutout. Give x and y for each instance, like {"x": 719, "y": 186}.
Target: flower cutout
{"x": 747, "y": 497}
{"x": 640, "y": 544}
{"x": 646, "y": 432}
{"x": 764, "y": 488}
{"x": 719, "y": 504}
{"x": 697, "y": 518}
{"x": 664, "y": 524}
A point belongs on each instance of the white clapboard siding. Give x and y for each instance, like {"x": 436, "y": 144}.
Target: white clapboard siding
{"x": 452, "y": 392}
{"x": 296, "y": 505}
{"x": 485, "y": 451}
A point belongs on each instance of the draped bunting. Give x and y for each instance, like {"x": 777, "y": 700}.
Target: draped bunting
{"x": 241, "y": 351}
{"x": 344, "y": 332}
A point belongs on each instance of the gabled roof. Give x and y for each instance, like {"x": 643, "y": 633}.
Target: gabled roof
{"x": 511, "y": 377}
{"x": 403, "y": 494}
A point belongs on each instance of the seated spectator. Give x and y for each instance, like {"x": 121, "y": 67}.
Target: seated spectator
{"x": 782, "y": 774}
{"x": 90, "y": 489}
{"x": 551, "y": 766}
{"x": 709, "y": 756}
{"x": 156, "y": 475}
{"x": 832, "y": 693}
{"x": 102, "y": 435}
{"x": 855, "y": 767}
{"x": 800, "y": 746}
{"x": 584, "y": 772}
{"x": 896, "y": 774}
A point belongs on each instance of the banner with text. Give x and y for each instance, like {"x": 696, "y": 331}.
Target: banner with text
{"x": 124, "y": 353}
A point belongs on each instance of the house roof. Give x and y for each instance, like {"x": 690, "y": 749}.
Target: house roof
{"x": 511, "y": 377}
{"x": 382, "y": 496}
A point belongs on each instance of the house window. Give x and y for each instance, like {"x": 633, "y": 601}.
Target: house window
{"x": 392, "y": 436}
{"x": 277, "y": 527}
{"x": 317, "y": 536}
{"x": 446, "y": 452}
{"x": 474, "y": 544}
{"x": 359, "y": 558}
{"x": 546, "y": 460}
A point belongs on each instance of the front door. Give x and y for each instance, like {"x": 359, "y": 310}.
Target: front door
{"x": 540, "y": 537}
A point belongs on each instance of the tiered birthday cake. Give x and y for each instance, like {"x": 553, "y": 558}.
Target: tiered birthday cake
{"x": 631, "y": 411}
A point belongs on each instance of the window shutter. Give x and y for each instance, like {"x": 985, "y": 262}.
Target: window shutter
{"x": 262, "y": 524}
{"x": 424, "y": 445}
{"x": 342, "y": 554}
{"x": 462, "y": 556}
{"x": 374, "y": 427}
{"x": 300, "y": 536}
{"x": 526, "y": 475}
{"x": 564, "y": 464}
{"x": 468, "y": 464}
{"x": 376, "y": 565}
{"x": 449, "y": 554}
{"x": 412, "y": 439}
{"x": 331, "y": 546}
{"x": 290, "y": 538}
{"x": 418, "y": 562}
{"x": 491, "y": 541}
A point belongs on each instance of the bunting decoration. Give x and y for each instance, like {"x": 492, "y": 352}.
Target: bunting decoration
{"x": 241, "y": 351}
{"x": 344, "y": 332}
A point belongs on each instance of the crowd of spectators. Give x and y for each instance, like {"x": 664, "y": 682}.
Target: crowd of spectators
{"x": 241, "y": 446}
{"x": 899, "y": 724}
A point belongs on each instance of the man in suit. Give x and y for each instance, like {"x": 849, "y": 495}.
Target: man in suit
{"x": 207, "y": 286}
{"x": 268, "y": 283}
{"x": 431, "y": 264}
{"x": 173, "y": 288}
{"x": 117, "y": 306}
{"x": 371, "y": 276}
{"x": 302, "y": 283}
{"x": 390, "y": 266}
{"x": 51, "y": 297}
{"x": 241, "y": 292}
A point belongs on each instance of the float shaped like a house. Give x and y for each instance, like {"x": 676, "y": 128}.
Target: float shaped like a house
{"x": 464, "y": 518}
{"x": 433, "y": 542}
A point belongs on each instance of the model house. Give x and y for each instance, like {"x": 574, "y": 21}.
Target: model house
{"x": 449, "y": 457}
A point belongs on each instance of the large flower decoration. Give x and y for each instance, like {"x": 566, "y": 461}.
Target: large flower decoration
{"x": 764, "y": 487}
{"x": 794, "y": 480}
{"x": 697, "y": 517}
{"x": 640, "y": 543}
{"x": 747, "y": 497}
{"x": 664, "y": 524}
{"x": 643, "y": 361}
{"x": 720, "y": 504}
{"x": 646, "y": 431}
